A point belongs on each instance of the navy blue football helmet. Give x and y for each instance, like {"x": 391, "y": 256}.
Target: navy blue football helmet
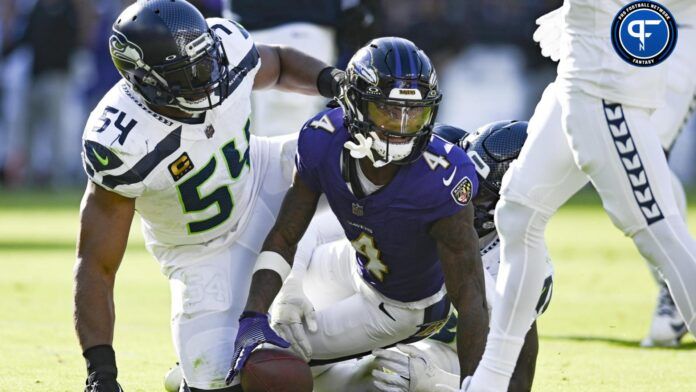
{"x": 492, "y": 148}
{"x": 167, "y": 53}
{"x": 392, "y": 92}
{"x": 452, "y": 134}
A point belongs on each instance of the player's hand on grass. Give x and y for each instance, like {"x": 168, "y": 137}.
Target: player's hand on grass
{"x": 407, "y": 370}
{"x": 102, "y": 382}
{"x": 292, "y": 307}
{"x": 253, "y": 331}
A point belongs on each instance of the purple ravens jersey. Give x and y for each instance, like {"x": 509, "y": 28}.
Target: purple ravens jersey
{"x": 389, "y": 229}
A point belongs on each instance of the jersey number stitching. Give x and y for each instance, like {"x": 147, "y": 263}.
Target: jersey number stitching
{"x": 365, "y": 245}
{"x": 119, "y": 124}
{"x": 193, "y": 201}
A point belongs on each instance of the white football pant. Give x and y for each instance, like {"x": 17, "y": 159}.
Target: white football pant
{"x": 574, "y": 137}
{"x": 352, "y": 318}
{"x": 209, "y": 286}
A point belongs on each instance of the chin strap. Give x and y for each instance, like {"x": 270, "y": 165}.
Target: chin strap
{"x": 363, "y": 148}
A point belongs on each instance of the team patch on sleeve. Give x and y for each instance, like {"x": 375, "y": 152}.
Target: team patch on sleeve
{"x": 462, "y": 192}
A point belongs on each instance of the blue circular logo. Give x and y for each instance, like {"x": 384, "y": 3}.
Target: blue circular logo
{"x": 644, "y": 33}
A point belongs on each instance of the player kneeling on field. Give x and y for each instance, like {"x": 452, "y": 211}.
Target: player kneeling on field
{"x": 402, "y": 197}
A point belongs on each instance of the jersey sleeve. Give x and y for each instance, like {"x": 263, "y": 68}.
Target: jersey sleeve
{"x": 314, "y": 141}
{"x": 239, "y": 46}
{"x": 455, "y": 182}
{"x": 107, "y": 157}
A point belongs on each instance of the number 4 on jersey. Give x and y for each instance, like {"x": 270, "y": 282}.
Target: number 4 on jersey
{"x": 323, "y": 123}
{"x": 365, "y": 245}
{"x": 434, "y": 161}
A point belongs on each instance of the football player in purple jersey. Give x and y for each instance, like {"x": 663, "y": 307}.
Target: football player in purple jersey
{"x": 402, "y": 197}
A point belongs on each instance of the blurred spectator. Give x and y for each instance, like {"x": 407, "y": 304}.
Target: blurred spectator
{"x": 483, "y": 50}
{"x": 54, "y": 32}
{"x": 306, "y": 25}
{"x": 14, "y": 76}
{"x": 106, "y": 12}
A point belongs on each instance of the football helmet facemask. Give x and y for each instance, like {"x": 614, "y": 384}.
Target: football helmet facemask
{"x": 166, "y": 52}
{"x": 392, "y": 98}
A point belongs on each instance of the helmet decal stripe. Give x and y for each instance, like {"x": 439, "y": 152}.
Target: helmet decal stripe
{"x": 412, "y": 66}
{"x": 397, "y": 58}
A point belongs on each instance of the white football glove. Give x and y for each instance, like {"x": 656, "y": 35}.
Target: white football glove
{"x": 408, "y": 371}
{"x": 290, "y": 308}
{"x": 549, "y": 34}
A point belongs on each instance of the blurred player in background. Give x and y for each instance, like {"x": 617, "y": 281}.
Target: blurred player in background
{"x": 171, "y": 140}
{"x": 402, "y": 198}
{"x": 305, "y": 25}
{"x": 605, "y": 134}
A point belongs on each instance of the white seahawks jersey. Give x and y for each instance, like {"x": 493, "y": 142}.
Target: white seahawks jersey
{"x": 191, "y": 182}
{"x": 589, "y": 62}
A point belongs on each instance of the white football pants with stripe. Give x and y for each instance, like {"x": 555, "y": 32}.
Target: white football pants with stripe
{"x": 573, "y": 138}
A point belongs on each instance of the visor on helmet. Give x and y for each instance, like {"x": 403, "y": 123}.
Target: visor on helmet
{"x": 198, "y": 82}
{"x": 397, "y": 119}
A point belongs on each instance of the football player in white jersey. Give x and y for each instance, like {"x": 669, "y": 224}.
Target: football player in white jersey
{"x": 667, "y": 327}
{"x": 171, "y": 140}
{"x": 605, "y": 135}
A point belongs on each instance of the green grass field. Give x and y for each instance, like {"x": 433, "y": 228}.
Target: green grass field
{"x": 602, "y": 305}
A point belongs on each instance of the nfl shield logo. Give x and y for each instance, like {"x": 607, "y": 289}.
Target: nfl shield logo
{"x": 209, "y": 131}
{"x": 357, "y": 209}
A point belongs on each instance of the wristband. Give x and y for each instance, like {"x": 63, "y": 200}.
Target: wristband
{"x": 101, "y": 358}
{"x": 327, "y": 82}
{"x": 272, "y": 261}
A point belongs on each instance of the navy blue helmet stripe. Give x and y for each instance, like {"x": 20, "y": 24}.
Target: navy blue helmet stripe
{"x": 413, "y": 66}
{"x": 397, "y": 59}
{"x": 147, "y": 164}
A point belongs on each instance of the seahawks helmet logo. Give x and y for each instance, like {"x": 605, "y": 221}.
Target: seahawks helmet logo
{"x": 125, "y": 50}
